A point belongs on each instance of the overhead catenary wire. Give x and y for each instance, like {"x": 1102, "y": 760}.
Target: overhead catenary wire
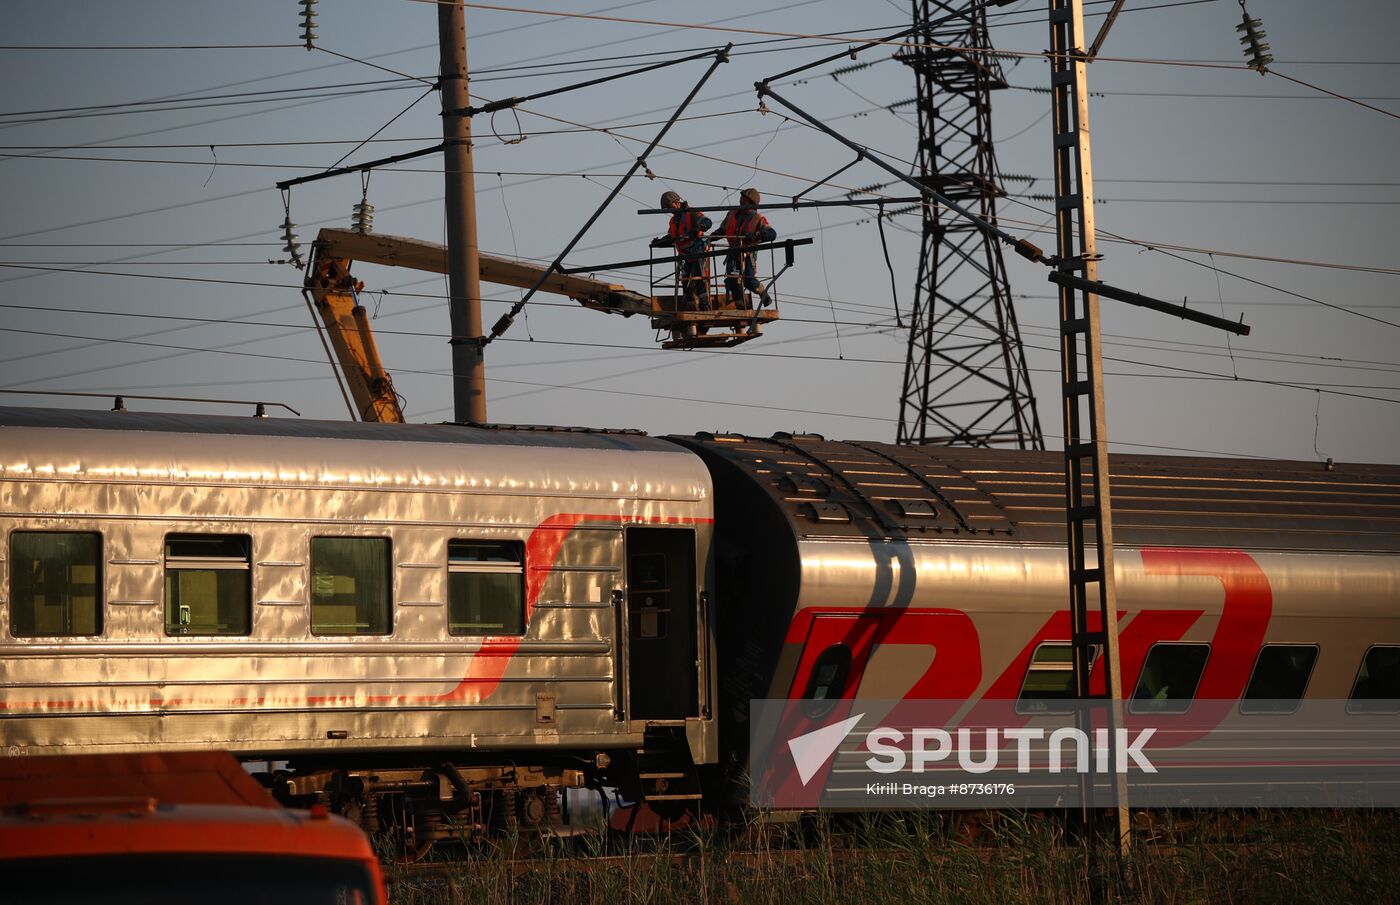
{"x": 102, "y": 47}
{"x": 201, "y": 100}
{"x": 64, "y": 117}
{"x": 847, "y": 37}
{"x": 1186, "y": 372}
{"x": 1111, "y": 339}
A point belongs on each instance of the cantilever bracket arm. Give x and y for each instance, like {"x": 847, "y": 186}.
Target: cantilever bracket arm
{"x": 507, "y": 103}
{"x": 1061, "y": 278}
{"x": 360, "y": 167}
{"x": 847, "y": 52}
{"x": 502, "y": 325}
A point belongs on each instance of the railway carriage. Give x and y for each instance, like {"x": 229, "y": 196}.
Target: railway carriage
{"x": 504, "y": 606}
{"x": 467, "y": 619}
{"x": 867, "y": 571}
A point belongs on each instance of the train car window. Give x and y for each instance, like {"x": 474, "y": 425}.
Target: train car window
{"x": 1377, "y": 688}
{"x": 485, "y": 587}
{"x": 208, "y": 584}
{"x": 1169, "y": 678}
{"x": 1049, "y": 678}
{"x": 1281, "y": 673}
{"x": 350, "y": 585}
{"x": 830, "y": 674}
{"x": 55, "y": 583}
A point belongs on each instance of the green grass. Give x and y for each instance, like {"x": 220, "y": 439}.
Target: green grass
{"x": 1302, "y": 856}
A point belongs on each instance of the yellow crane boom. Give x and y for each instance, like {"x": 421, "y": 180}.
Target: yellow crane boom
{"x": 334, "y": 294}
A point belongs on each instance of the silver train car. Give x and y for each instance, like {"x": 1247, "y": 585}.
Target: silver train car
{"x": 452, "y": 623}
{"x": 356, "y": 594}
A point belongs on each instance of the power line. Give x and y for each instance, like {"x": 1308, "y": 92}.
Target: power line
{"x": 841, "y": 38}
{"x": 86, "y": 47}
{"x": 201, "y": 99}
{"x": 153, "y": 210}
{"x": 1209, "y": 95}
{"x": 1331, "y": 93}
{"x": 431, "y": 83}
{"x": 1185, "y": 373}
{"x": 220, "y": 144}
{"x": 1114, "y": 339}
{"x": 65, "y": 117}
{"x": 183, "y": 126}
{"x": 1352, "y": 203}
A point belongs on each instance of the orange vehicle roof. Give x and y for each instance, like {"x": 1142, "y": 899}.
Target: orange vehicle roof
{"x": 186, "y": 777}
{"x": 161, "y": 804}
{"x": 120, "y": 826}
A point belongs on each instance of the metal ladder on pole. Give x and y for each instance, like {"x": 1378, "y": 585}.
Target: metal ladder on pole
{"x": 1088, "y": 513}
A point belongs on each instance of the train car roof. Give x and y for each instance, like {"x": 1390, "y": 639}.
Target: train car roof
{"x": 481, "y": 435}
{"x": 880, "y": 490}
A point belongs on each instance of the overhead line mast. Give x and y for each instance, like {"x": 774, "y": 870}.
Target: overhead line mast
{"x": 459, "y": 193}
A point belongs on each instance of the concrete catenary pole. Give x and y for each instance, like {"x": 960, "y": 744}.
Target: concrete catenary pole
{"x": 463, "y": 263}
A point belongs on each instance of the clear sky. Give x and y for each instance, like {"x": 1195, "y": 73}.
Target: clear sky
{"x": 1215, "y": 158}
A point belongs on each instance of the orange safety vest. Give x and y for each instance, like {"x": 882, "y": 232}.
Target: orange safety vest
{"x": 685, "y": 224}
{"x": 743, "y": 224}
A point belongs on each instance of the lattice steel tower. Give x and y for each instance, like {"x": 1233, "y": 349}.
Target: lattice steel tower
{"x": 965, "y": 377}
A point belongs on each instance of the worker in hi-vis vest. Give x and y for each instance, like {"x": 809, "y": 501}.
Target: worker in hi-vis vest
{"x": 745, "y": 228}
{"x": 687, "y": 234}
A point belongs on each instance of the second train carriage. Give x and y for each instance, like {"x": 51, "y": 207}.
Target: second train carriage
{"x": 873, "y": 571}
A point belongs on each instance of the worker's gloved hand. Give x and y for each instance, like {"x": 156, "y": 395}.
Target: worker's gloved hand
{"x": 767, "y": 234}
{"x": 661, "y": 242}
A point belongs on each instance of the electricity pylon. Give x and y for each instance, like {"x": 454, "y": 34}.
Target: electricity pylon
{"x": 965, "y": 376}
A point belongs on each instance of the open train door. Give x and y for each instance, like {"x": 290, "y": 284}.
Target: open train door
{"x": 660, "y": 612}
